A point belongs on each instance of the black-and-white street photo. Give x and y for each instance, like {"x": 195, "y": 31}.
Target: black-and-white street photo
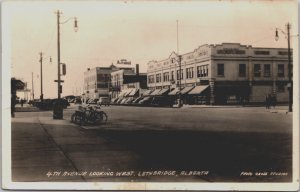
{"x": 150, "y": 95}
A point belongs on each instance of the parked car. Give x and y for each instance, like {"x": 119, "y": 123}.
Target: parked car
{"x": 64, "y": 102}
{"x": 103, "y": 101}
{"x": 93, "y": 101}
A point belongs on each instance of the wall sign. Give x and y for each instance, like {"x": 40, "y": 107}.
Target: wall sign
{"x": 230, "y": 51}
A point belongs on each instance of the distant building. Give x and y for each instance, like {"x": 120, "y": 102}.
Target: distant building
{"x": 128, "y": 82}
{"x": 220, "y": 74}
{"x": 97, "y": 81}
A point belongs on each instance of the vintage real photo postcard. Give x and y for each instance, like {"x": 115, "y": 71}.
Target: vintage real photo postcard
{"x": 150, "y": 95}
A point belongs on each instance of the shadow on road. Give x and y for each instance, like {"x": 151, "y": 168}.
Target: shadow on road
{"x": 224, "y": 154}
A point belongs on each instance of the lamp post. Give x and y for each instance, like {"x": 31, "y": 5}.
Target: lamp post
{"x": 290, "y": 84}
{"x": 179, "y": 62}
{"x": 58, "y": 105}
{"x": 41, "y": 62}
{"x": 59, "y": 81}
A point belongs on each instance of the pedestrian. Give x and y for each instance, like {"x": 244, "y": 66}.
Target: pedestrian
{"x": 273, "y": 100}
{"x": 268, "y": 101}
{"x": 22, "y": 102}
{"x": 13, "y": 103}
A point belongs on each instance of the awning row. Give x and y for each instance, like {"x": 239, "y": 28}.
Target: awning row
{"x": 128, "y": 92}
{"x": 187, "y": 90}
{"x": 157, "y": 92}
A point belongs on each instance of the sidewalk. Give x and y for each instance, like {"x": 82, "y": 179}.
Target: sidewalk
{"x": 35, "y": 153}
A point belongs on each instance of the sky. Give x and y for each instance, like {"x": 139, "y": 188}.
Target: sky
{"x": 139, "y": 31}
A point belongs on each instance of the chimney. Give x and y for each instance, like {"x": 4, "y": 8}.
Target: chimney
{"x": 137, "y": 69}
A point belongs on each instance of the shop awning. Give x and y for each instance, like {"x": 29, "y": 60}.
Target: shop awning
{"x": 186, "y": 90}
{"x": 155, "y": 92}
{"x": 147, "y": 92}
{"x": 128, "y": 92}
{"x": 198, "y": 89}
{"x": 174, "y": 92}
{"x": 124, "y": 92}
{"x": 163, "y": 91}
{"x": 133, "y": 92}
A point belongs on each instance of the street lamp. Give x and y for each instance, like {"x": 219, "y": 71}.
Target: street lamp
{"x": 179, "y": 62}
{"x": 290, "y": 84}
{"x": 179, "y": 78}
{"x": 59, "y": 81}
{"x": 57, "y": 107}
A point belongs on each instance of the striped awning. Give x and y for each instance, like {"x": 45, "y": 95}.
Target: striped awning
{"x": 163, "y": 91}
{"x": 133, "y": 92}
{"x": 198, "y": 89}
{"x": 155, "y": 92}
{"x": 123, "y": 93}
{"x": 128, "y": 92}
{"x": 186, "y": 90}
{"x": 174, "y": 92}
{"x": 147, "y": 92}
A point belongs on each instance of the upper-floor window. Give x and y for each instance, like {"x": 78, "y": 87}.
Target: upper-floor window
{"x": 220, "y": 70}
{"x": 151, "y": 79}
{"x": 158, "y": 78}
{"x": 257, "y": 70}
{"x": 242, "y": 70}
{"x": 190, "y": 73}
{"x": 280, "y": 72}
{"x": 202, "y": 71}
{"x": 181, "y": 74}
{"x": 166, "y": 76}
{"x": 172, "y": 75}
{"x": 267, "y": 70}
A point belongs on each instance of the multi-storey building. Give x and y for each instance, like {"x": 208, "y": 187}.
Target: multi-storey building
{"x": 97, "y": 81}
{"x": 223, "y": 73}
{"x": 127, "y": 82}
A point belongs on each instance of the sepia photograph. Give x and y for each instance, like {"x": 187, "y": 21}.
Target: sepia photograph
{"x": 150, "y": 95}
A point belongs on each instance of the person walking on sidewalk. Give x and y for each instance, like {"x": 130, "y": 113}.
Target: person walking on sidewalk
{"x": 273, "y": 100}
{"x": 268, "y": 99}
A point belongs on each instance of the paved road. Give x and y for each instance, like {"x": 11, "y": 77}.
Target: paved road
{"x": 155, "y": 144}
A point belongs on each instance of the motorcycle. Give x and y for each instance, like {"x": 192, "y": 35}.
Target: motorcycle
{"x": 89, "y": 116}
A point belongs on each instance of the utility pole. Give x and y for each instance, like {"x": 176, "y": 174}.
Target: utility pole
{"x": 290, "y": 82}
{"x": 32, "y": 86}
{"x": 58, "y": 54}
{"x": 41, "y": 61}
{"x": 288, "y": 26}
{"x": 179, "y": 62}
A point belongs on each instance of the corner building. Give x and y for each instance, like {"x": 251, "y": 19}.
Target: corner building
{"x": 223, "y": 74}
